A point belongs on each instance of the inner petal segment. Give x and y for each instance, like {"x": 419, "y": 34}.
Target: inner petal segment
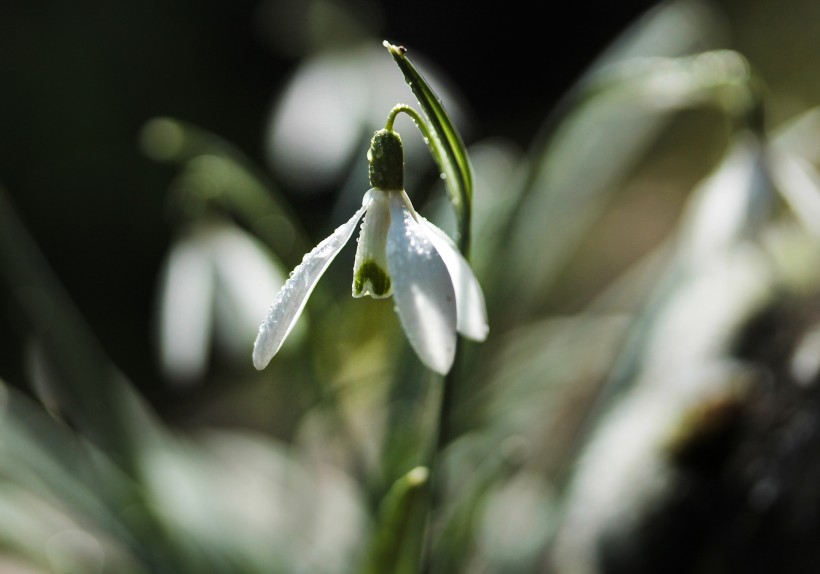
{"x": 370, "y": 271}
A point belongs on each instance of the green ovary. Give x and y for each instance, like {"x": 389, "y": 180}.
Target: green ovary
{"x": 378, "y": 279}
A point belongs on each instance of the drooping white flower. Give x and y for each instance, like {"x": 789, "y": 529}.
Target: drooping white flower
{"x": 399, "y": 253}
{"x": 216, "y": 279}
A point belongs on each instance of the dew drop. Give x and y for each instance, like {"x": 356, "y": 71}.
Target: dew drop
{"x": 443, "y": 176}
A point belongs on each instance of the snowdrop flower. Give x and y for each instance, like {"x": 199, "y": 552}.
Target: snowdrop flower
{"x": 399, "y": 253}
{"x": 216, "y": 280}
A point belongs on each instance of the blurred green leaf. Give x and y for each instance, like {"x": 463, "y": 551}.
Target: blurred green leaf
{"x": 396, "y": 545}
{"x": 91, "y": 392}
{"x": 216, "y": 171}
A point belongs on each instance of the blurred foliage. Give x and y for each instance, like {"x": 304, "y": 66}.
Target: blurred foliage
{"x": 647, "y": 399}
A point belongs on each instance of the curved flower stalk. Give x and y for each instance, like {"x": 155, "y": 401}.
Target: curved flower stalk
{"x": 399, "y": 253}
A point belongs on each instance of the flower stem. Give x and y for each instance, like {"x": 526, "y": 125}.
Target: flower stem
{"x": 414, "y": 115}
{"x": 443, "y": 437}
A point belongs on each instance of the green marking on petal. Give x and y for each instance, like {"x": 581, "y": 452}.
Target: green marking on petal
{"x": 370, "y": 273}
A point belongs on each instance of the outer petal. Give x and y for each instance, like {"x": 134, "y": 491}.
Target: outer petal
{"x": 370, "y": 273}
{"x": 472, "y": 310}
{"x": 186, "y": 313}
{"x": 291, "y": 299}
{"x": 424, "y": 294}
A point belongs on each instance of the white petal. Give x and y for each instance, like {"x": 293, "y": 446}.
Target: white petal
{"x": 424, "y": 293}
{"x": 185, "y": 319}
{"x": 370, "y": 273}
{"x": 292, "y": 297}
{"x": 470, "y": 305}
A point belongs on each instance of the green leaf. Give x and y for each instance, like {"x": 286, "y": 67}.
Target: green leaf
{"x": 396, "y": 545}
{"x": 445, "y": 143}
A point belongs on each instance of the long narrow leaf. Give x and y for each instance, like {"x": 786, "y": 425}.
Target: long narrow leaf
{"x": 445, "y": 143}
{"x": 396, "y": 540}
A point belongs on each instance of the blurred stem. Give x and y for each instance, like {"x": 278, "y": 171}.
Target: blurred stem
{"x": 395, "y": 547}
{"x": 439, "y": 482}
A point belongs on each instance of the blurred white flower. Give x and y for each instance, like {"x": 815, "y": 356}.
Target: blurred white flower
{"x": 399, "y": 253}
{"x": 216, "y": 281}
